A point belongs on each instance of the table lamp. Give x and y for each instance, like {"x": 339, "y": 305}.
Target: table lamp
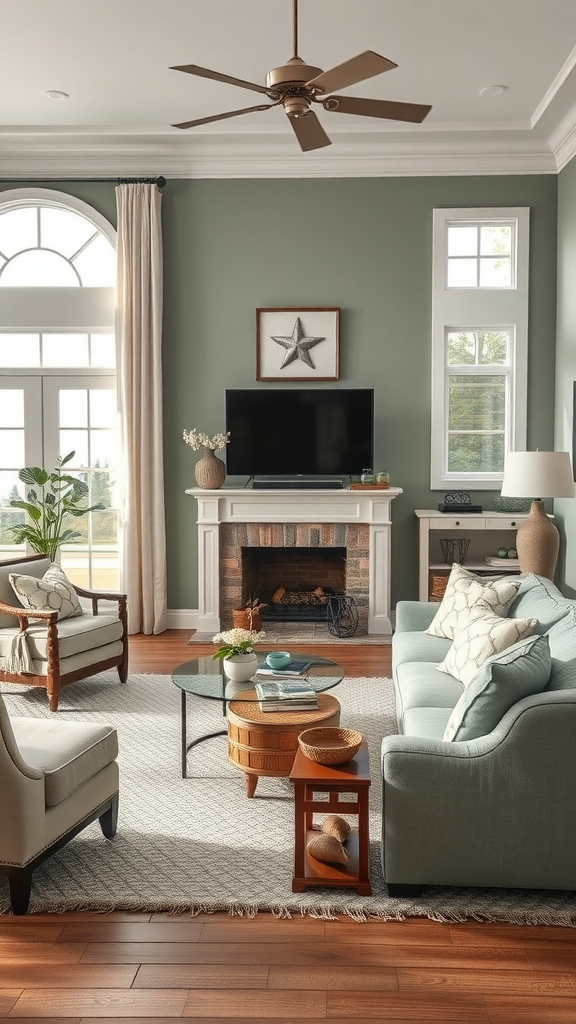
{"x": 548, "y": 475}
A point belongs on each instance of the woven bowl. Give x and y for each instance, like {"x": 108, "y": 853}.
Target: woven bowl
{"x": 511, "y": 504}
{"x": 330, "y": 746}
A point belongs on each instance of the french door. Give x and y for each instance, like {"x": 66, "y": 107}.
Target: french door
{"x": 43, "y": 416}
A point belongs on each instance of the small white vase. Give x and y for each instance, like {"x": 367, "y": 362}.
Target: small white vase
{"x": 240, "y": 667}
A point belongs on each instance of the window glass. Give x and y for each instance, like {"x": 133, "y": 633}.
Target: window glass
{"x": 38, "y": 268}
{"x": 462, "y": 240}
{"x": 76, "y": 441}
{"x": 476, "y": 453}
{"x": 102, "y": 350}
{"x": 12, "y": 408}
{"x": 96, "y": 264}
{"x": 19, "y": 350}
{"x": 462, "y": 273}
{"x": 18, "y": 230}
{"x": 495, "y": 273}
{"x": 102, "y": 408}
{"x": 486, "y": 348}
{"x": 64, "y": 231}
{"x": 65, "y": 350}
{"x": 73, "y": 412}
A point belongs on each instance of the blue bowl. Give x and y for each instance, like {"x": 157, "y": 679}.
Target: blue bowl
{"x": 278, "y": 659}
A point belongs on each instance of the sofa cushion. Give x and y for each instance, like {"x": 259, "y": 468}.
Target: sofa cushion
{"x": 427, "y": 723}
{"x": 465, "y": 593}
{"x": 74, "y": 636}
{"x": 69, "y": 753}
{"x": 409, "y": 647}
{"x": 53, "y": 592}
{"x": 419, "y": 685}
{"x": 482, "y": 636}
{"x": 520, "y": 671}
{"x": 34, "y": 568}
{"x": 562, "y": 639}
{"x": 539, "y": 598}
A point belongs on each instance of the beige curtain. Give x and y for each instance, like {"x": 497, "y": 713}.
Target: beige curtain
{"x": 139, "y": 346}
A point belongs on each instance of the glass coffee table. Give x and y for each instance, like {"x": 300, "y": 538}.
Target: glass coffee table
{"x": 204, "y": 677}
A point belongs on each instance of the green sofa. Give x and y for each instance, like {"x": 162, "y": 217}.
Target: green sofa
{"x": 497, "y": 810}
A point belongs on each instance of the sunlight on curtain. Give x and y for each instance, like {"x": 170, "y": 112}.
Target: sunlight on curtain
{"x": 139, "y": 340}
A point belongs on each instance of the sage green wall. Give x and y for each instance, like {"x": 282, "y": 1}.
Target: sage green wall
{"x": 361, "y": 244}
{"x": 566, "y": 363}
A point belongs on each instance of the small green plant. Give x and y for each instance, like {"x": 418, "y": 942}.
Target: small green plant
{"x": 51, "y": 499}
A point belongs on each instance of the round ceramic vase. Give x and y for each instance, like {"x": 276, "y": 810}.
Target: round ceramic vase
{"x": 210, "y": 472}
{"x": 240, "y": 667}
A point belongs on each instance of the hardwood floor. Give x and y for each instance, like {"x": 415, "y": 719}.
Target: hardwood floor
{"x": 83, "y": 968}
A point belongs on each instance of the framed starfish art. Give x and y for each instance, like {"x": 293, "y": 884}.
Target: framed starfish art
{"x": 297, "y": 344}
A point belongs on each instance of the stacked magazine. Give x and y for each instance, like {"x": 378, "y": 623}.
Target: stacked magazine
{"x": 285, "y": 695}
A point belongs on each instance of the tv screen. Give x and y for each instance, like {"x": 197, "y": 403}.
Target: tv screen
{"x": 299, "y": 432}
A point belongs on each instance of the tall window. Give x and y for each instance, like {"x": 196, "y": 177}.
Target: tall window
{"x": 479, "y": 344}
{"x": 57, "y": 366}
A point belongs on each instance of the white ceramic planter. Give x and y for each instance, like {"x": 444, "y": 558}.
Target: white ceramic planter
{"x": 240, "y": 667}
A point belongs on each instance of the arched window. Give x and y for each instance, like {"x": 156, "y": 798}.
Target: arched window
{"x": 58, "y": 366}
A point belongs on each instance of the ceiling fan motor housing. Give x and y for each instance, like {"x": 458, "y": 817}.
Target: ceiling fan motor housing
{"x": 294, "y": 73}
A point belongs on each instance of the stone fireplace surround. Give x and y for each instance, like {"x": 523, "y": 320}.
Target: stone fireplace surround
{"x": 232, "y": 518}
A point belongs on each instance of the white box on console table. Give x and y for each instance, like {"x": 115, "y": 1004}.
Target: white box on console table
{"x": 237, "y": 505}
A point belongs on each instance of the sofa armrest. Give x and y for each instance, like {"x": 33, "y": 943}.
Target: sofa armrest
{"x": 494, "y": 811}
{"x": 414, "y": 616}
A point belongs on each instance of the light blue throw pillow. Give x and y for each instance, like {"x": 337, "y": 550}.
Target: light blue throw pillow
{"x": 503, "y": 680}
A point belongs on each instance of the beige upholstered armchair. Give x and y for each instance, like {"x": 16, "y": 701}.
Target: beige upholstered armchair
{"x": 41, "y": 648}
{"x": 56, "y": 777}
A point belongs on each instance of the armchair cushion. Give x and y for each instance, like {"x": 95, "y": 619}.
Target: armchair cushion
{"x": 53, "y": 592}
{"x": 31, "y": 567}
{"x": 68, "y": 753}
{"x": 74, "y": 635}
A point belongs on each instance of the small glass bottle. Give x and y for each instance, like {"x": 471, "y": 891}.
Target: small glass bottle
{"x": 383, "y": 478}
{"x": 368, "y": 477}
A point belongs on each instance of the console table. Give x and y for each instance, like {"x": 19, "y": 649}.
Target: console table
{"x": 241, "y": 505}
{"x": 487, "y": 532}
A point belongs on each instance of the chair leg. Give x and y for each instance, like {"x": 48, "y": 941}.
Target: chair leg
{"x": 109, "y": 820}
{"x": 20, "y": 884}
{"x": 123, "y": 666}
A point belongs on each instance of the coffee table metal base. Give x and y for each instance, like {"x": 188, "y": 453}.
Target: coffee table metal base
{"x": 186, "y": 746}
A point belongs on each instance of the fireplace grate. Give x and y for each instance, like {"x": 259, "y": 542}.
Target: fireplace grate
{"x": 290, "y": 609}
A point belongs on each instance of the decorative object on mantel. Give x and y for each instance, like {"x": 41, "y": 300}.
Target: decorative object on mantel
{"x": 297, "y": 344}
{"x": 237, "y": 652}
{"x": 458, "y": 501}
{"x": 548, "y": 475}
{"x": 210, "y": 472}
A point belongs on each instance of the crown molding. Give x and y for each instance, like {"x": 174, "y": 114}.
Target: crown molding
{"x": 64, "y": 153}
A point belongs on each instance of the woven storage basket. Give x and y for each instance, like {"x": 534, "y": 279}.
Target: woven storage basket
{"x": 245, "y": 618}
{"x": 438, "y": 582}
{"x": 330, "y": 745}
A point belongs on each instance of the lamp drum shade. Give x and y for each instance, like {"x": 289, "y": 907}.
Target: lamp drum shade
{"x": 538, "y": 475}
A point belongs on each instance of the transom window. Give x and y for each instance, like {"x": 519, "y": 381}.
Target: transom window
{"x": 479, "y": 344}
{"x": 50, "y": 247}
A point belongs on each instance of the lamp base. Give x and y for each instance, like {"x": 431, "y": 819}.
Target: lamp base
{"x": 538, "y": 542}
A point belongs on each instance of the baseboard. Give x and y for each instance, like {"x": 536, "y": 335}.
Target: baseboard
{"x": 182, "y": 618}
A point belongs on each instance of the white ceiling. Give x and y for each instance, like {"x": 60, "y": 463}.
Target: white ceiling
{"x": 113, "y": 58}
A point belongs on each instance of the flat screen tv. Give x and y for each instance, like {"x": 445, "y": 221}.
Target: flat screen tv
{"x": 299, "y": 431}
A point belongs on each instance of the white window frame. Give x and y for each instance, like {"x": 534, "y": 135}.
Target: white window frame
{"x": 480, "y": 309}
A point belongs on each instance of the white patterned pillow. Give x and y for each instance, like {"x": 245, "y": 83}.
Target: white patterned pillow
{"x": 53, "y": 592}
{"x": 464, "y": 592}
{"x": 483, "y": 636}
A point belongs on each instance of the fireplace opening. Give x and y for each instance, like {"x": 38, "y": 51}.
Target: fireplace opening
{"x": 295, "y": 583}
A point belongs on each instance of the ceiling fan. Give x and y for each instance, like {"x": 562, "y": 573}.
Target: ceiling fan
{"x": 297, "y": 85}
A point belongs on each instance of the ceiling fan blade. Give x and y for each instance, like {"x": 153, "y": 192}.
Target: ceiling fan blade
{"x": 222, "y": 117}
{"x": 309, "y": 132}
{"x": 357, "y": 69}
{"x": 217, "y": 76}
{"x": 388, "y": 109}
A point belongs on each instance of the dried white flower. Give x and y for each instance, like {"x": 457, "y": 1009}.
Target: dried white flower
{"x": 197, "y": 440}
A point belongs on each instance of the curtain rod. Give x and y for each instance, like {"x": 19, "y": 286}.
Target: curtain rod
{"x": 159, "y": 181}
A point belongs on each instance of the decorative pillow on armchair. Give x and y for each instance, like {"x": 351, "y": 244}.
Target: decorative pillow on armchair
{"x": 53, "y": 592}
{"x": 483, "y": 636}
{"x": 464, "y": 591}
{"x": 520, "y": 671}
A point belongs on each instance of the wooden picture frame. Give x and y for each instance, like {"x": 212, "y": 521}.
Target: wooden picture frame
{"x": 297, "y": 343}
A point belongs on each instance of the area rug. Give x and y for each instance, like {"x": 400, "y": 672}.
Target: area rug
{"x": 301, "y": 633}
{"x": 200, "y": 845}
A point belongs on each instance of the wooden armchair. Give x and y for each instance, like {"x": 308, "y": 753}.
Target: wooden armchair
{"x": 61, "y": 651}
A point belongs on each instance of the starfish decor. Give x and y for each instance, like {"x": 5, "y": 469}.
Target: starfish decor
{"x": 297, "y": 346}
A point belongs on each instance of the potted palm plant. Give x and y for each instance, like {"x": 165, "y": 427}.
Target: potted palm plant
{"x": 51, "y": 499}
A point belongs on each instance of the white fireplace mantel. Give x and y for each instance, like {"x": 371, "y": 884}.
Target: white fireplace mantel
{"x": 240, "y": 505}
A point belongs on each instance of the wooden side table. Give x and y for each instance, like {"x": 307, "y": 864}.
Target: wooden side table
{"x": 312, "y": 780}
{"x": 265, "y": 742}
